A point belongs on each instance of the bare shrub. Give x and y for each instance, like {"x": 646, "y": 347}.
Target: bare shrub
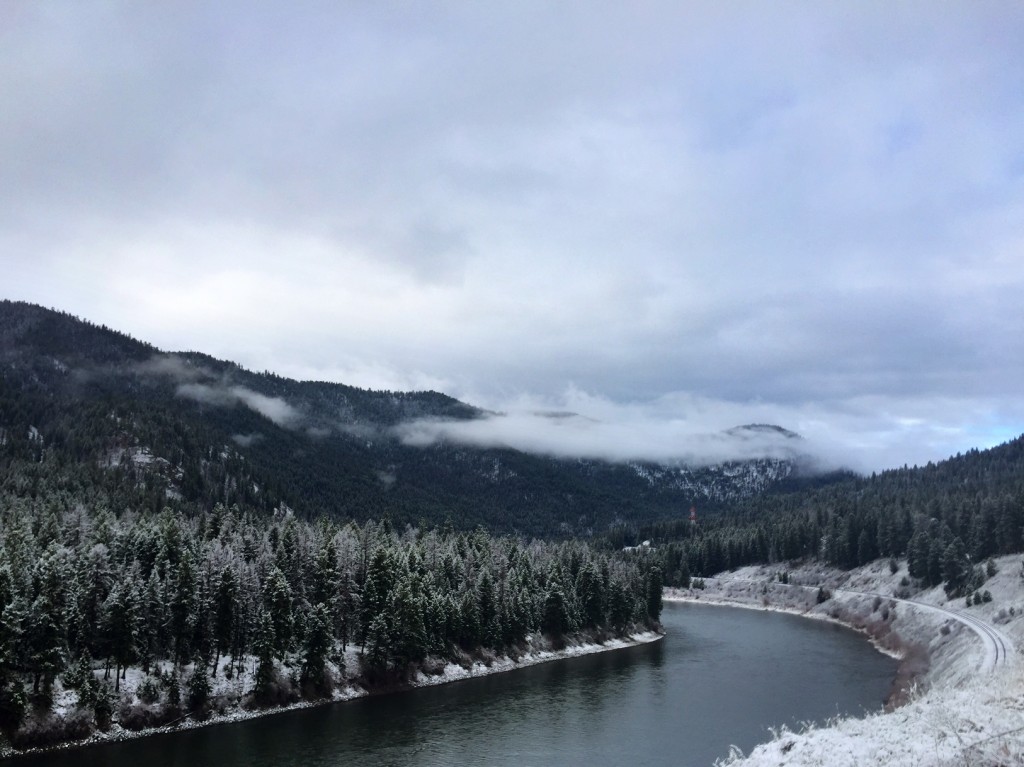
{"x": 914, "y": 663}
{"x": 141, "y": 717}
{"x": 486, "y": 656}
{"x": 48, "y": 730}
{"x": 877, "y": 630}
{"x": 278, "y": 691}
{"x": 433, "y": 666}
{"x": 319, "y": 687}
{"x": 149, "y": 690}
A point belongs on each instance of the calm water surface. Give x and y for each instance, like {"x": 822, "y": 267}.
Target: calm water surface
{"x": 722, "y": 676}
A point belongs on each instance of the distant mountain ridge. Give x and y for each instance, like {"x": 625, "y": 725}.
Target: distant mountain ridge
{"x": 757, "y": 429}
{"x": 143, "y": 428}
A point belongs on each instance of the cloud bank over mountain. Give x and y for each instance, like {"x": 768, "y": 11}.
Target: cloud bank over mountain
{"x": 810, "y": 211}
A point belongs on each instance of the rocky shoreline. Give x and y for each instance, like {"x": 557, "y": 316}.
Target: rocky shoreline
{"x": 947, "y": 705}
{"x": 536, "y": 650}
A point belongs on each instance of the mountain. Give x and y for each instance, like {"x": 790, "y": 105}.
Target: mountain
{"x": 944, "y": 517}
{"x": 138, "y": 428}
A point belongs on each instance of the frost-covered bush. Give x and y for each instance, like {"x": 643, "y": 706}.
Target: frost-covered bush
{"x": 137, "y": 718}
{"x": 199, "y": 689}
{"x": 103, "y": 705}
{"x": 13, "y": 703}
{"x": 51, "y": 729}
{"x": 273, "y": 690}
{"x": 149, "y": 690}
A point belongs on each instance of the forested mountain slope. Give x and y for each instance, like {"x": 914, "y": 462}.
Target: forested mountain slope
{"x": 945, "y": 517}
{"x": 111, "y": 418}
{"x": 188, "y": 519}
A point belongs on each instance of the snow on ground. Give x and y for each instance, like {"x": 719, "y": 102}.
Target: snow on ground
{"x": 230, "y": 691}
{"x": 537, "y": 653}
{"x": 962, "y": 711}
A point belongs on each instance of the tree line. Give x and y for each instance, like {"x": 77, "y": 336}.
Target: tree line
{"x": 227, "y": 591}
{"x": 946, "y": 519}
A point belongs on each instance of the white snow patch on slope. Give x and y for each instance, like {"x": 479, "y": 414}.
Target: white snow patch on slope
{"x": 964, "y": 714}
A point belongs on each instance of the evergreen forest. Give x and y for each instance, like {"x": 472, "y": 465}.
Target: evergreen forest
{"x": 945, "y": 518}
{"x": 234, "y": 593}
{"x": 175, "y": 525}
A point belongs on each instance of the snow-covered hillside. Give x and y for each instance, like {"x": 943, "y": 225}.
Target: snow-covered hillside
{"x": 964, "y": 700}
{"x": 722, "y": 482}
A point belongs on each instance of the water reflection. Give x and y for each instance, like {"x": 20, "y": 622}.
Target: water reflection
{"x": 722, "y": 676}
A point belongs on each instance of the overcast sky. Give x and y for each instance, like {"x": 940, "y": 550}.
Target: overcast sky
{"x": 669, "y": 217}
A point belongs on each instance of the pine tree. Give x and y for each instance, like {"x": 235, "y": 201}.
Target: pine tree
{"x": 470, "y": 633}
{"x": 620, "y": 611}
{"x": 224, "y": 613}
{"x": 653, "y": 596}
{"x": 152, "y": 632}
{"x": 277, "y": 601}
{"x": 347, "y": 606}
{"x": 44, "y": 644}
{"x": 409, "y": 643}
{"x": 555, "y": 621}
{"x": 14, "y": 649}
{"x": 381, "y": 576}
{"x": 956, "y": 567}
{"x": 183, "y": 607}
{"x": 917, "y": 553}
{"x": 121, "y": 628}
{"x": 319, "y": 642}
{"x": 487, "y": 610}
{"x": 199, "y": 687}
{"x": 589, "y": 593}
{"x": 265, "y": 645}
{"x": 379, "y": 636}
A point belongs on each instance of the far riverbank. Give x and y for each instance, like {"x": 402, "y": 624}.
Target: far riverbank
{"x": 960, "y": 698}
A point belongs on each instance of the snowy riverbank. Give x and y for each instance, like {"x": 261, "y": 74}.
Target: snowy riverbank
{"x": 228, "y": 694}
{"x": 967, "y": 703}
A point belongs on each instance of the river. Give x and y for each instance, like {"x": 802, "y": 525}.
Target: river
{"x": 721, "y": 676}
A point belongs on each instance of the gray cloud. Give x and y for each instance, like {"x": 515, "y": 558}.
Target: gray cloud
{"x": 274, "y": 408}
{"x": 197, "y": 383}
{"x": 575, "y": 436}
{"x": 793, "y": 207}
{"x": 174, "y": 367}
{"x": 864, "y": 434}
{"x": 246, "y": 440}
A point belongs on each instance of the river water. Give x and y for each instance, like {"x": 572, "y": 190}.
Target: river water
{"x": 722, "y": 676}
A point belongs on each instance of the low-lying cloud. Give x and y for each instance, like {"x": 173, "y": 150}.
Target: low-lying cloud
{"x": 274, "y": 408}
{"x": 863, "y": 434}
{"x": 576, "y": 436}
{"x": 246, "y": 440}
{"x": 174, "y": 367}
{"x": 200, "y": 384}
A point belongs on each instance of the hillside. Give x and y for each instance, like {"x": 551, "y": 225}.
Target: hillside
{"x": 121, "y": 421}
{"x": 944, "y": 517}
